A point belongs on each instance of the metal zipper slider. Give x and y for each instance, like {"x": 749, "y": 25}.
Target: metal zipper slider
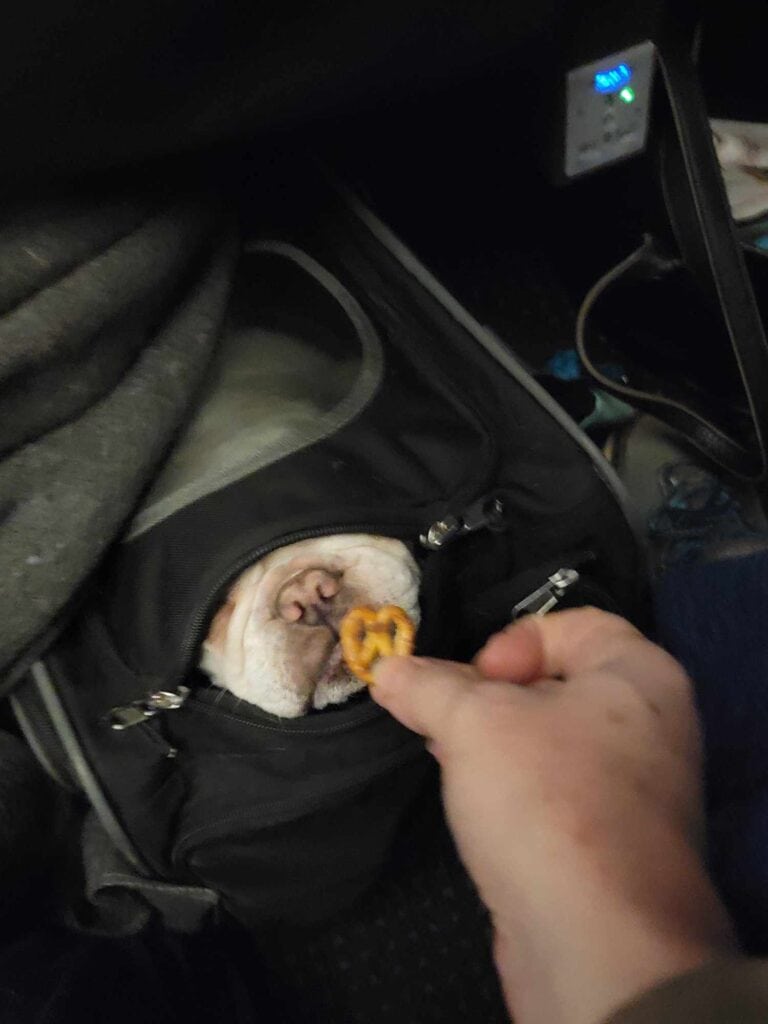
{"x": 547, "y": 596}
{"x": 139, "y": 711}
{"x": 486, "y": 513}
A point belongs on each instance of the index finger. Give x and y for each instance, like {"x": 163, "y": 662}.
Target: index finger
{"x": 576, "y": 641}
{"x": 423, "y": 693}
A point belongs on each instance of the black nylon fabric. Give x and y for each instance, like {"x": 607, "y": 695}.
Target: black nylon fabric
{"x": 292, "y": 821}
{"x": 445, "y": 427}
{"x": 390, "y": 468}
{"x": 288, "y": 820}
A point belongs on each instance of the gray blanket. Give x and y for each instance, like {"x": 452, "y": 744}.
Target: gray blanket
{"x": 110, "y": 308}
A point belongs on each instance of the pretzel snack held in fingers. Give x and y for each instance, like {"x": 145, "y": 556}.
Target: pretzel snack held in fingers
{"x": 368, "y": 634}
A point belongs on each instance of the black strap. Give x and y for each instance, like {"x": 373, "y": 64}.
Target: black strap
{"x": 723, "y": 251}
{"x": 705, "y": 233}
{"x": 676, "y": 410}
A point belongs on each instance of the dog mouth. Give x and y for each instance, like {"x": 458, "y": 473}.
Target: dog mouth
{"x": 334, "y": 661}
{"x": 332, "y": 666}
{"x": 324, "y": 619}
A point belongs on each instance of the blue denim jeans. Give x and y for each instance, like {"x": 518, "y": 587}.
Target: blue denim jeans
{"x": 714, "y": 618}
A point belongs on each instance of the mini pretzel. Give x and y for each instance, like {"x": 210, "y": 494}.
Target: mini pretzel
{"x": 368, "y": 634}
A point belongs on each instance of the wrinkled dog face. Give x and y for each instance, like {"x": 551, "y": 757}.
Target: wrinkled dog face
{"x": 275, "y": 641}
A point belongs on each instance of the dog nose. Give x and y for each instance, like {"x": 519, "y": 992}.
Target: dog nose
{"x": 307, "y": 597}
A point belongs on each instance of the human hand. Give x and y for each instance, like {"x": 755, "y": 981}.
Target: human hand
{"x": 575, "y": 800}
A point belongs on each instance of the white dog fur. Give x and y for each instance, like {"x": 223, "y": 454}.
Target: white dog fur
{"x": 274, "y": 643}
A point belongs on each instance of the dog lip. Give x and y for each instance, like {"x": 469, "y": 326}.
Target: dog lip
{"x": 332, "y": 665}
{"x": 326, "y": 622}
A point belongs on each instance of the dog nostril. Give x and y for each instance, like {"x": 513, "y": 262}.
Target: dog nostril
{"x": 291, "y": 611}
{"x": 306, "y": 598}
{"x": 328, "y": 587}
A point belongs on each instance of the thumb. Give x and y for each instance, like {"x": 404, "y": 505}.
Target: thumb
{"x": 424, "y": 694}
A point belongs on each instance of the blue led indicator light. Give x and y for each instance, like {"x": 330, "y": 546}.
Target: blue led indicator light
{"x": 762, "y": 242}
{"x": 613, "y": 79}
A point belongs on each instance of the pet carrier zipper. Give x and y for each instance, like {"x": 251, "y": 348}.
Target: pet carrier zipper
{"x": 487, "y": 513}
{"x": 139, "y": 711}
{"x": 547, "y": 596}
{"x": 192, "y": 640}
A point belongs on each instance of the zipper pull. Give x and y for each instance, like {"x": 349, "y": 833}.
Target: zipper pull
{"x": 547, "y": 596}
{"x": 139, "y": 711}
{"x": 485, "y": 513}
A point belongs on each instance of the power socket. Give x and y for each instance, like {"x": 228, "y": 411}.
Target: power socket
{"x": 607, "y": 109}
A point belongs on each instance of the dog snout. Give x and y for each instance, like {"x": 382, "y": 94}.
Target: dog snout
{"x": 308, "y": 596}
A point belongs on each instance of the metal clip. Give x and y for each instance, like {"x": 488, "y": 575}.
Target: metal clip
{"x": 125, "y": 717}
{"x": 167, "y": 700}
{"x": 139, "y": 711}
{"x": 487, "y": 513}
{"x": 547, "y": 596}
{"x": 440, "y": 533}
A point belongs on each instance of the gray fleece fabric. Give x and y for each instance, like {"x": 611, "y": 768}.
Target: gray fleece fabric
{"x": 110, "y": 308}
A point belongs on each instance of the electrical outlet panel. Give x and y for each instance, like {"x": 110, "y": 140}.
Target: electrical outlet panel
{"x": 607, "y": 109}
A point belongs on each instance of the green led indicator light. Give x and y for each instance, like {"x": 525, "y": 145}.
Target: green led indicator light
{"x": 627, "y": 94}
